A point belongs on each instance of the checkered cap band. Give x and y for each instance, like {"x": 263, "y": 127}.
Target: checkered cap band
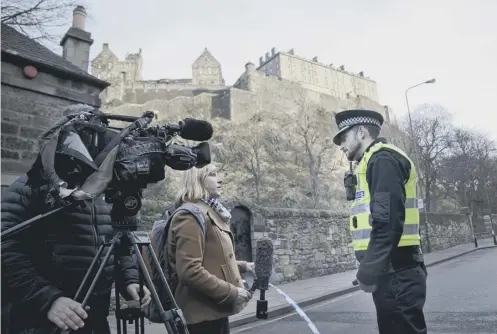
{"x": 358, "y": 120}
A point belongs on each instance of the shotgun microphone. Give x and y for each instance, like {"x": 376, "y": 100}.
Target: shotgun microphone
{"x": 263, "y": 268}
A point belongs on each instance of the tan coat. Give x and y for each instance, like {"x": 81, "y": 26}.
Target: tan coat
{"x": 207, "y": 270}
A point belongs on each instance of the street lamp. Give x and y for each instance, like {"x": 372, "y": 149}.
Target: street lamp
{"x": 416, "y": 156}
{"x": 428, "y": 246}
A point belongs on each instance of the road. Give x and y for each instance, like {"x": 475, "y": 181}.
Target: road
{"x": 462, "y": 298}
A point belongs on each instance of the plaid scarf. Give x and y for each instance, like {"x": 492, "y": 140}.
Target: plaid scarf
{"x": 218, "y": 207}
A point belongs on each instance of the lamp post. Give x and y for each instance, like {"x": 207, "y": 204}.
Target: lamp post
{"x": 416, "y": 157}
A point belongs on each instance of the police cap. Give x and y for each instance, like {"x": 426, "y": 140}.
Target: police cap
{"x": 349, "y": 118}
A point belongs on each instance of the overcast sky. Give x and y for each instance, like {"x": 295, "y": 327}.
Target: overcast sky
{"x": 398, "y": 43}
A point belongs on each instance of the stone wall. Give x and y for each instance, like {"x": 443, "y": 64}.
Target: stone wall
{"x": 29, "y": 107}
{"x": 444, "y": 230}
{"x": 307, "y": 243}
{"x": 312, "y": 243}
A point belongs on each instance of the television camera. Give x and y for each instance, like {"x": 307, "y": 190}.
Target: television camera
{"x": 82, "y": 157}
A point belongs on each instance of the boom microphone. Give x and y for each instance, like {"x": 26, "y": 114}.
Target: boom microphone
{"x": 193, "y": 129}
{"x": 263, "y": 268}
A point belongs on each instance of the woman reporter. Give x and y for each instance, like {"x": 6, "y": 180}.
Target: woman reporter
{"x": 210, "y": 288}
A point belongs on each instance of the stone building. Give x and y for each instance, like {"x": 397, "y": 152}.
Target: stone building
{"x": 128, "y": 86}
{"x": 276, "y": 83}
{"x": 316, "y": 76}
{"x": 36, "y": 85}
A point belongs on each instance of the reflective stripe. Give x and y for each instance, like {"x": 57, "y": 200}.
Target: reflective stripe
{"x": 409, "y": 229}
{"x": 360, "y": 208}
{"x": 411, "y": 203}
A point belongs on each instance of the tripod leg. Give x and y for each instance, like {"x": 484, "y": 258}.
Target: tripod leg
{"x": 161, "y": 274}
{"x": 99, "y": 272}
{"x": 90, "y": 270}
{"x": 155, "y": 296}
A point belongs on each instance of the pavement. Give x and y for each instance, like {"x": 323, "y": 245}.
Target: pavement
{"x": 335, "y": 289}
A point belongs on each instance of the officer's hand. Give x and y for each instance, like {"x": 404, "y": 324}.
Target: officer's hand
{"x": 367, "y": 288}
{"x": 67, "y": 313}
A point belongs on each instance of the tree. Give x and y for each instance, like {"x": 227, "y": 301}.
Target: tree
{"x": 309, "y": 129}
{"x": 469, "y": 170}
{"x": 430, "y": 143}
{"x": 36, "y": 18}
{"x": 242, "y": 146}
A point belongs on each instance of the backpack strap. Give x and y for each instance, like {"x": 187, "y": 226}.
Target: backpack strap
{"x": 196, "y": 212}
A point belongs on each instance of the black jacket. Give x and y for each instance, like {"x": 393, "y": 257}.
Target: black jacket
{"x": 50, "y": 259}
{"x": 386, "y": 174}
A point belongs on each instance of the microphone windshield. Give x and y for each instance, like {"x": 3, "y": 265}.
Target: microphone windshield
{"x": 263, "y": 258}
{"x": 193, "y": 129}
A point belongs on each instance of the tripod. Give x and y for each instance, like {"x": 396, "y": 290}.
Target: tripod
{"x": 126, "y": 205}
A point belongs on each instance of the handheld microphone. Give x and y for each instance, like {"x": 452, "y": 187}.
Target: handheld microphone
{"x": 263, "y": 267}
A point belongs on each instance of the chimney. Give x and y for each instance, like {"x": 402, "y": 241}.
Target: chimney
{"x": 273, "y": 51}
{"x": 361, "y": 73}
{"x": 105, "y": 47}
{"x": 315, "y": 59}
{"x": 267, "y": 56}
{"x": 76, "y": 42}
{"x": 261, "y": 60}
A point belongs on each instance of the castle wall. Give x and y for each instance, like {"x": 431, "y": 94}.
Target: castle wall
{"x": 200, "y": 106}
{"x": 143, "y": 91}
{"x": 274, "y": 93}
{"x": 319, "y": 77}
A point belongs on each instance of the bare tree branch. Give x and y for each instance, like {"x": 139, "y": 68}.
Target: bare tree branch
{"x": 38, "y": 18}
{"x": 433, "y": 139}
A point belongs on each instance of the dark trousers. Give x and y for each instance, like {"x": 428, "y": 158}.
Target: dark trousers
{"x": 219, "y": 326}
{"x": 399, "y": 300}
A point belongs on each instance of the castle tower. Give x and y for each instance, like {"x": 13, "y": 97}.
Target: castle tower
{"x": 134, "y": 63}
{"x": 105, "y": 65}
{"x": 207, "y": 70}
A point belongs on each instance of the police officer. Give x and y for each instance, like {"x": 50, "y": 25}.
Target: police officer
{"x": 384, "y": 223}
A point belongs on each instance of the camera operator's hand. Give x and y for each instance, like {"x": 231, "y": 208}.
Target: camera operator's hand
{"x": 134, "y": 290}
{"x": 67, "y": 313}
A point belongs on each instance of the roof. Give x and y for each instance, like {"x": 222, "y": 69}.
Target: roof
{"x": 20, "y": 46}
{"x": 206, "y": 57}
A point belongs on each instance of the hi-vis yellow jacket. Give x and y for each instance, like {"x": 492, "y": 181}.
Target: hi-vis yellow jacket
{"x": 360, "y": 216}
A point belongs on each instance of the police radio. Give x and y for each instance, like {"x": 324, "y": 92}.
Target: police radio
{"x": 350, "y": 183}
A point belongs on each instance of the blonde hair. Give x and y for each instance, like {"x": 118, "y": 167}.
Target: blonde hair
{"x": 192, "y": 186}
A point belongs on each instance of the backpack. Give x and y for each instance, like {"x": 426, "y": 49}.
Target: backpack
{"x": 158, "y": 239}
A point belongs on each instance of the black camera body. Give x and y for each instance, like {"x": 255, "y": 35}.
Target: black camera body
{"x": 350, "y": 184}
{"x": 82, "y": 151}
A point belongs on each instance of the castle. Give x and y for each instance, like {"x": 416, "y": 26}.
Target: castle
{"x": 274, "y": 83}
